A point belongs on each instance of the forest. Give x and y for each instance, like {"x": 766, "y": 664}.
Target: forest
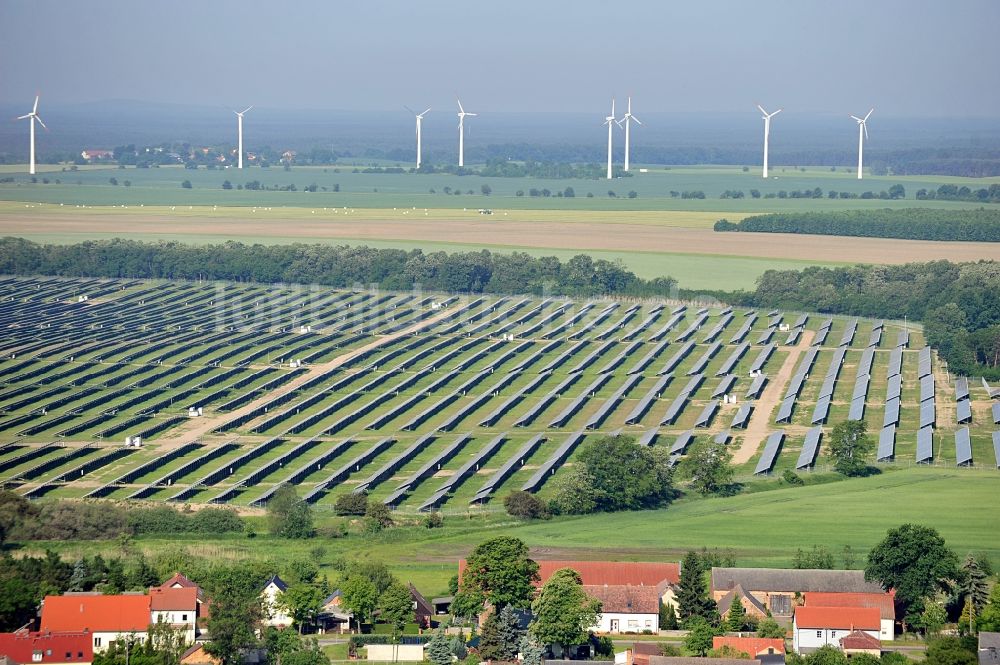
{"x": 958, "y": 303}
{"x": 979, "y": 225}
{"x": 340, "y": 266}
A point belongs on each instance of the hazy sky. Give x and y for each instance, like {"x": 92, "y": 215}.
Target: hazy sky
{"x": 905, "y": 57}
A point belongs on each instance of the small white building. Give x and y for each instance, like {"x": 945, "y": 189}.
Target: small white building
{"x": 626, "y": 608}
{"x": 275, "y": 615}
{"x": 177, "y": 607}
{"x": 814, "y": 627}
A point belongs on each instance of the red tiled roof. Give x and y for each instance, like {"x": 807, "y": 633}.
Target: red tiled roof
{"x": 883, "y": 601}
{"x": 754, "y": 646}
{"x": 839, "y": 618}
{"x": 625, "y": 599}
{"x": 95, "y": 613}
{"x": 54, "y": 647}
{"x": 857, "y": 639}
{"x": 181, "y": 598}
{"x": 636, "y": 573}
{"x": 178, "y": 580}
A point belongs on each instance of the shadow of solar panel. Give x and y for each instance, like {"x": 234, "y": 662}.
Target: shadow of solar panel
{"x": 648, "y": 437}
{"x": 682, "y": 442}
{"x": 707, "y": 414}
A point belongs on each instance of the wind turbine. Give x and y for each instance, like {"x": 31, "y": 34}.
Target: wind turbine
{"x": 461, "y": 132}
{"x": 239, "y": 126}
{"x": 609, "y": 121}
{"x": 862, "y": 135}
{"x": 32, "y": 119}
{"x": 767, "y": 132}
{"x": 420, "y": 117}
{"x": 627, "y": 119}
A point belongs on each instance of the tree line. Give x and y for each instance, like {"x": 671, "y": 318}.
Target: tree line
{"x": 959, "y": 303}
{"x": 979, "y": 225}
{"x": 339, "y": 266}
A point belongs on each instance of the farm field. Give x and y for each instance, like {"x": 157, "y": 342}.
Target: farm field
{"x": 432, "y": 402}
{"x": 654, "y": 234}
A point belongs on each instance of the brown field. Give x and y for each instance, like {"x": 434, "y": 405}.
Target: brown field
{"x": 534, "y": 229}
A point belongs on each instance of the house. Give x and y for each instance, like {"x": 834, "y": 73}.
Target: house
{"x": 333, "y": 616}
{"x": 442, "y": 604}
{"x": 106, "y": 618}
{"x": 177, "y": 607}
{"x": 989, "y": 648}
{"x": 422, "y": 609}
{"x": 751, "y": 605}
{"x": 813, "y": 627}
{"x": 269, "y": 595}
{"x": 778, "y": 589}
{"x": 885, "y": 602}
{"x": 24, "y": 647}
{"x": 626, "y": 608}
{"x": 755, "y": 647}
{"x": 858, "y": 641}
{"x": 92, "y": 154}
{"x": 196, "y": 655}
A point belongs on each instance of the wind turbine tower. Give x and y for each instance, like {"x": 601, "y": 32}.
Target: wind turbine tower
{"x": 627, "y": 119}
{"x": 610, "y": 122}
{"x": 420, "y": 117}
{"x": 239, "y": 132}
{"x": 767, "y": 132}
{"x": 32, "y": 119}
{"x": 461, "y": 132}
{"x": 862, "y": 135}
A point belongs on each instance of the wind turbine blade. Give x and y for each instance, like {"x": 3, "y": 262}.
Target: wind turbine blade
{"x": 776, "y": 112}
{"x": 857, "y": 118}
{"x": 869, "y": 113}
{"x": 40, "y": 122}
{"x": 865, "y": 127}
{"x": 246, "y": 109}
{"x": 472, "y": 114}
{"x": 460, "y": 105}
{"x": 22, "y": 117}
{"x": 636, "y": 119}
{"x": 425, "y": 111}
{"x": 762, "y": 109}
{"x": 35, "y": 109}
{"x": 409, "y": 109}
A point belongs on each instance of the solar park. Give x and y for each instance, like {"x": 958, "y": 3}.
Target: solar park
{"x": 434, "y": 402}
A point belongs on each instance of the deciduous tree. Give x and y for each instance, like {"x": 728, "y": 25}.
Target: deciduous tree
{"x": 851, "y": 447}
{"x": 563, "y": 611}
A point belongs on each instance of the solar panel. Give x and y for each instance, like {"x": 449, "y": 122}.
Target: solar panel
{"x": 648, "y": 437}
{"x": 725, "y": 385}
{"x": 643, "y": 406}
{"x": 963, "y": 412}
{"x": 991, "y": 392}
{"x": 894, "y": 388}
{"x": 682, "y": 442}
{"x": 861, "y": 387}
{"x": 849, "y": 330}
{"x": 550, "y": 465}
{"x": 903, "y": 339}
{"x": 927, "y": 388}
{"x": 891, "y": 416}
{"x": 810, "y": 448}
{"x": 570, "y": 410}
{"x": 648, "y": 359}
{"x": 609, "y": 405}
{"x": 826, "y": 325}
{"x": 756, "y": 387}
{"x": 674, "y": 410}
{"x": 508, "y": 468}
{"x": 771, "y": 449}
{"x": 857, "y": 410}
{"x": 700, "y": 364}
{"x": 963, "y": 447}
{"x": 705, "y": 418}
{"x": 886, "y": 444}
{"x": 775, "y": 320}
{"x": 692, "y": 385}
{"x": 924, "y": 362}
{"x": 801, "y": 321}
{"x": 793, "y": 337}
{"x": 784, "y": 414}
{"x": 744, "y": 330}
{"x": 875, "y": 337}
{"x": 820, "y": 338}
{"x": 766, "y": 335}
{"x": 821, "y": 410}
{"x": 718, "y": 328}
{"x": 928, "y": 414}
{"x": 676, "y": 359}
{"x": 721, "y": 438}
{"x": 961, "y": 388}
{"x": 925, "y": 445}
{"x": 742, "y": 416}
{"x": 733, "y": 358}
{"x": 762, "y": 358}
{"x": 996, "y": 413}
{"x": 996, "y": 448}
{"x": 865, "y": 364}
{"x": 615, "y": 362}
{"x": 895, "y": 362}
{"x": 878, "y": 325}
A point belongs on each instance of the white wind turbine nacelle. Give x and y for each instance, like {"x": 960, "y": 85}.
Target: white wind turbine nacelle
{"x": 32, "y": 118}
{"x": 767, "y": 132}
{"x": 239, "y": 132}
{"x": 461, "y": 131}
{"x": 862, "y": 135}
{"x": 627, "y": 120}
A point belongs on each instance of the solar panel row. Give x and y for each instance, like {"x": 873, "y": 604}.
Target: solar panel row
{"x": 963, "y": 447}
{"x": 730, "y": 363}
{"x": 925, "y": 445}
{"x": 770, "y": 455}
{"x": 810, "y": 448}
{"x": 647, "y": 400}
{"x": 550, "y": 465}
{"x": 886, "y": 444}
{"x": 744, "y": 330}
{"x": 849, "y": 330}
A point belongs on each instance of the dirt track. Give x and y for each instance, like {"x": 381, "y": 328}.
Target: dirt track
{"x": 622, "y": 236}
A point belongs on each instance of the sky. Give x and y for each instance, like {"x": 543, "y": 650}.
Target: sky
{"x": 905, "y": 57}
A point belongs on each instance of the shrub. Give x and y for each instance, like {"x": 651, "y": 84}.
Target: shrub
{"x": 792, "y": 478}
{"x": 525, "y": 505}
{"x": 351, "y": 504}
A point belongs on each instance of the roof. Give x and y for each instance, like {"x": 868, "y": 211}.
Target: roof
{"x": 123, "y": 613}
{"x": 750, "y": 645}
{"x": 423, "y": 607}
{"x": 859, "y": 640}
{"x": 21, "y": 646}
{"x": 839, "y": 618}
{"x": 178, "y": 580}
{"x": 989, "y": 648}
{"x": 636, "y": 573}
{"x": 332, "y": 597}
{"x": 726, "y": 602}
{"x": 885, "y": 602}
{"x": 276, "y": 581}
{"x": 684, "y": 660}
{"x": 792, "y": 580}
{"x": 625, "y": 599}
{"x": 180, "y": 598}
